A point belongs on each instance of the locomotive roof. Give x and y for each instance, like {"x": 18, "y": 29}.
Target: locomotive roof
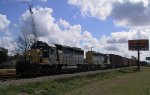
{"x": 114, "y": 54}
{"x": 60, "y": 47}
{"x": 118, "y": 55}
{"x": 67, "y": 47}
{"x": 40, "y": 43}
{"x": 52, "y": 45}
{"x": 94, "y": 52}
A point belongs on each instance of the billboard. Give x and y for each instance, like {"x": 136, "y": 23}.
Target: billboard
{"x": 142, "y": 44}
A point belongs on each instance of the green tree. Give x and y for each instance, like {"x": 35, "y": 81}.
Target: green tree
{"x": 3, "y": 55}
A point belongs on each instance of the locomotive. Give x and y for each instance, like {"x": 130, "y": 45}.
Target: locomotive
{"x": 43, "y": 58}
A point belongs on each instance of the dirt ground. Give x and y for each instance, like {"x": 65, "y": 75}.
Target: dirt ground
{"x": 7, "y": 71}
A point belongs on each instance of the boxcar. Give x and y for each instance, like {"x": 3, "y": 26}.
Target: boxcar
{"x": 115, "y": 60}
{"x": 125, "y": 62}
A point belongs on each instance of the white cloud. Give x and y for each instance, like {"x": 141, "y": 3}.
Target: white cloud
{"x": 88, "y": 38}
{"x": 63, "y": 24}
{"x": 6, "y": 38}
{"x": 95, "y": 8}
{"x": 44, "y": 22}
{"x": 42, "y": 0}
{"x": 24, "y": 0}
{"x": 124, "y": 36}
{"x": 131, "y": 14}
{"x": 51, "y": 30}
{"x": 117, "y": 42}
{"x": 4, "y": 22}
{"x": 60, "y": 31}
{"x": 8, "y": 43}
{"x": 124, "y": 12}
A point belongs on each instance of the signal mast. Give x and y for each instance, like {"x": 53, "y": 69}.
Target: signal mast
{"x": 32, "y": 21}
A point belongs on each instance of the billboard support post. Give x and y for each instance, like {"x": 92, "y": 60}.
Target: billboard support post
{"x": 138, "y": 59}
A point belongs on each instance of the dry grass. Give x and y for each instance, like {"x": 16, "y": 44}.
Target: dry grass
{"x": 7, "y": 71}
{"x": 137, "y": 83}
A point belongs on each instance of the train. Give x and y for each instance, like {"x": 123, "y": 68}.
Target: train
{"x": 44, "y": 58}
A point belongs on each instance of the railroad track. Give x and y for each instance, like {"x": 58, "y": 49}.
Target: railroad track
{"x": 13, "y": 76}
{"x": 7, "y": 81}
{"x": 4, "y": 77}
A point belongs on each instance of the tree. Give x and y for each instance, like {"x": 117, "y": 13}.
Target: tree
{"x": 133, "y": 57}
{"x": 24, "y": 42}
{"x": 3, "y": 55}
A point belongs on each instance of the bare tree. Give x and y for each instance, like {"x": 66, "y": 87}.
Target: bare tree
{"x": 24, "y": 42}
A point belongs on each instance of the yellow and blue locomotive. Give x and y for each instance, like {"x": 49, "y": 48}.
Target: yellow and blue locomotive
{"x": 45, "y": 58}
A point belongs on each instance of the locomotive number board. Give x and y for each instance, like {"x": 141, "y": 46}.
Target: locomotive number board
{"x": 147, "y": 58}
{"x": 142, "y": 44}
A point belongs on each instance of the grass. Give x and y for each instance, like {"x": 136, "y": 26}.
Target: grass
{"x": 137, "y": 83}
{"x": 65, "y": 86}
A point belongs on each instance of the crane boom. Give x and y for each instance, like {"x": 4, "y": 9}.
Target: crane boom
{"x": 30, "y": 7}
{"x": 32, "y": 21}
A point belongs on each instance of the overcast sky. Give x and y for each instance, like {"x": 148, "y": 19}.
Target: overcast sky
{"x": 106, "y": 25}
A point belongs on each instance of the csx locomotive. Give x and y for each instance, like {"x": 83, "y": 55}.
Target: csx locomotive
{"x": 45, "y": 58}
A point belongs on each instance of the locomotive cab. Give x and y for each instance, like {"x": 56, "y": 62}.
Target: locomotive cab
{"x": 34, "y": 56}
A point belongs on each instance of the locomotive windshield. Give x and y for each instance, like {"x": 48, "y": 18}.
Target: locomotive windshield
{"x": 53, "y": 50}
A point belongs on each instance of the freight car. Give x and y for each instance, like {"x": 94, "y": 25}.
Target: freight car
{"x": 116, "y": 60}
{"x": 119, "y": 61}
{"x": 125, "y": 62}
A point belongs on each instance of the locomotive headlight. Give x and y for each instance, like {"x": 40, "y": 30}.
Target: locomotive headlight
{"x": 29, "y": 53}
